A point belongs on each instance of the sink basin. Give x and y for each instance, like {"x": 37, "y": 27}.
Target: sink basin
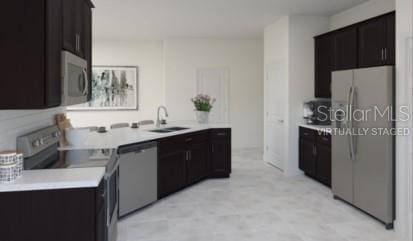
{"x": 161, "y": 131}
{"x": 169, "y": 129}
{"x": 175, "y": 128}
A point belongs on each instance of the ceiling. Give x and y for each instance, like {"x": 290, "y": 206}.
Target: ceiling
{"x": 229, "y": 19}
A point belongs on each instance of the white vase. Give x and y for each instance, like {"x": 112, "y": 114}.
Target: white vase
{"x": 202, "y": 116}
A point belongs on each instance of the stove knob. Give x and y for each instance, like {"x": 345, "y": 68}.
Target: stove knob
{"x": 41, "y": 141}
{"x": 56, "y": 134}
{"x": 36, "y": 143}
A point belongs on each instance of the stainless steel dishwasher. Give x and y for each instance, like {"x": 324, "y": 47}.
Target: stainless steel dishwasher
{"x": 138, "y": 176}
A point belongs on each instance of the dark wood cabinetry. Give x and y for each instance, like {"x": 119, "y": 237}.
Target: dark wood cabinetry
{"x": 345, "y": 49}
{"x": 171, "y": 165}
{"x": 324, "y": 64}
{"x": 77, "y": 26}
{"x": 50, "y": 215}
{"x": 307, "y": 157}
{"x": 221, "y": 152}
{"x": 366, "y": 44}
{"x": 31, "y": 49}
{"x": 376, "y": 41}
{"x": 315, "y": 155}
{"x": 189, "y": 158}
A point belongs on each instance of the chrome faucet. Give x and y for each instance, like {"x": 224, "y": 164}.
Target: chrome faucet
{"x": 158, "y": 121}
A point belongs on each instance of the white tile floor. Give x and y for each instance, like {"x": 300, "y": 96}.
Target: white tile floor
{"x": 256, "y": 204}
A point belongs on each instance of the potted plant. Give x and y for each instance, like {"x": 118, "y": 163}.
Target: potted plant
{"x": 203, "y": 105}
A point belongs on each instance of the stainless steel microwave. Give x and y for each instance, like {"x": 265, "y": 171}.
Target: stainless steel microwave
{"x": 75, "y": 86}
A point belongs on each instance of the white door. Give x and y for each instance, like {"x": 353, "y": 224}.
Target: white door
{"x": 215, "y": 83}
{"x": 274, "y": 106}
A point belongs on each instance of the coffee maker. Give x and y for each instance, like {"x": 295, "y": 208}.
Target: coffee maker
{"x": 317, "y": 112}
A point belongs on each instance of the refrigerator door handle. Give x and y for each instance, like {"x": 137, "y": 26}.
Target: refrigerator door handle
{"x": 349, "y": 121}
{"x": 353, "y": 137}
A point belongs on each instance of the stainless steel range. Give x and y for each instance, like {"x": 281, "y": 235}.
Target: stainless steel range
{"x": 40, "y": 150}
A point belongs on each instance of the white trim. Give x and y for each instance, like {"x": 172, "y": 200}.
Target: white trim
{"x": 404, "y": 151}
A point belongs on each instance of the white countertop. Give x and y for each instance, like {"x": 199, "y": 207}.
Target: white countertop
{"x": 123, "y": 136}
{"x": 326, "y": 129}
{"x": 48, "y": 179}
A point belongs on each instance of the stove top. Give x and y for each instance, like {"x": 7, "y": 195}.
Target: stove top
{"x": 40, "y": 152}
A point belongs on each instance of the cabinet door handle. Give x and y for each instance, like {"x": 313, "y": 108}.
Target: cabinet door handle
{"x": 385, "y": 53}
{"x": 212, "y": 148}
{"x": 221, "y": 134}
{"x": 186, "y": 156}
{"x": 382, "y": 54}
{"x": 188, "y": 139}
{"x": 314, "y": 150}
{"x": 77, "y": 42}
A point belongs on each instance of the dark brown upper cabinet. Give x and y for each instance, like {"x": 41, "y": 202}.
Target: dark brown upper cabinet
{"x": 30, "y": 47}
{"x": 377, "y": 41}
{"x": 345, "y": 49}
{"x": 324, "y": 59}
{"x": 77, "y": 26}
{"x": 366, "y": 44}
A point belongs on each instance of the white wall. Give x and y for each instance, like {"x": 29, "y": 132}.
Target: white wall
{"x": 290, "y": 40}
{"x": 14, "y": 123}
{"x": 167, "y": 72}
{"x": 301, "y": 75}
{"x": 243, "y": 58}
{"x": 361, "y": 12}
{"x": 404, "y": 145}
{"x": 148, "y": 56}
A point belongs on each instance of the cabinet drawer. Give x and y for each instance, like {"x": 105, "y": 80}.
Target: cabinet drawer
{"x": 308, "y": 134}
{"x": 324, "y": 139}
{"x": 195, "y": 138}
{"x": 220, "y": 133}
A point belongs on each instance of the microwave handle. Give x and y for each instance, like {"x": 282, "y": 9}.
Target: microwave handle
{"x": 86, "y": 89}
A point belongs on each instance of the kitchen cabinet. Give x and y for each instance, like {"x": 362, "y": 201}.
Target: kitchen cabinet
{"x": 171, "y": 165}
{"x": 189, "y": 158}
{"x": 77, "y": 26}
{"x": 366, "y": 44}
{"x": 345, "y": 49}
{"x": 30, "y": 48}
{"x": 51, "y": 215}
{"x": 307, "y": 157}
{"x": 197, "y": 156}
{"x": 315, "y": 154}
{"x": 220, "y": 152}
{"x": 324, "y": 64}
{"x": 376, "y": 41}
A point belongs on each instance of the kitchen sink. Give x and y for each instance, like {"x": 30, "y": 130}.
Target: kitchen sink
{"x": 175, "y": 128}
{"x": 169, "y": 129}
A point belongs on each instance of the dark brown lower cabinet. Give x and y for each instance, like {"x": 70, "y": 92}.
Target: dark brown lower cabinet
{"x": 50, "y": 215}
{"x": 189, "y": 158}
{"x": 172, "y": 175}
{"x": 307, "y": 157}
{"x": 197, "y": 162}
{"x": 220, "y": 153}
{"x": 315, "y": 155}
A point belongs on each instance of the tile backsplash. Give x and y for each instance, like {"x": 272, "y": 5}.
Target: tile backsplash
{"x": 14, "y": 123}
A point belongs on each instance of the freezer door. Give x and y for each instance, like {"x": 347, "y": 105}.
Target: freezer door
{"x": 342, "y": 166}
{"x": 373, "y": 165}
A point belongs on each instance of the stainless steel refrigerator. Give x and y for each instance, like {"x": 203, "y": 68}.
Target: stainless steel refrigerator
{"x": 362, "y": 149}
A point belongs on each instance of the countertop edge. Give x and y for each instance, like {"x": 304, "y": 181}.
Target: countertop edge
{"x": 55, "y": 179}
{"x": 327, "y": 129}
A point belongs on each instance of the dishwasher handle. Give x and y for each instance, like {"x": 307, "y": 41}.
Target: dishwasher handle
{"x": 136, "y": 148}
